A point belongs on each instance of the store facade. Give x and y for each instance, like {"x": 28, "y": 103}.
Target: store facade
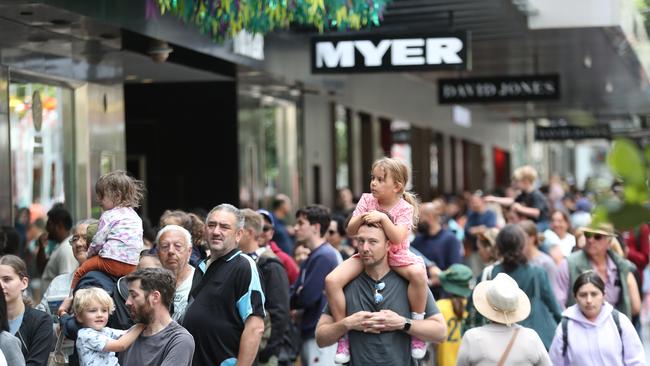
{"x": 61, "y": 111}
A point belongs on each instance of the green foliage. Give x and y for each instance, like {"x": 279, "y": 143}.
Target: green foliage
{"x": 632, "y": 167}
{"x": 226, "y": 18}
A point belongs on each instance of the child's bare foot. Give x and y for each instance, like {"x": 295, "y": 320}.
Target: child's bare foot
{"x": 65, "y": 306}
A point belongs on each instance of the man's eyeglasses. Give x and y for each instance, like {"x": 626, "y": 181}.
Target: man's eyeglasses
{"x": 178, "y": 246}
{"x": 267, "y": 228}
{"x": 596, "y": 236}
{"x": 331, "y": 232}
{"x": 379, "y": 287}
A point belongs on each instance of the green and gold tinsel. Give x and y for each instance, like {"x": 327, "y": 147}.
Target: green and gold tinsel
{"x": 225, "y": 18}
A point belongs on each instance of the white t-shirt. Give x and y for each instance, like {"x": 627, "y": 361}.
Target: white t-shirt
{"x": 181, "y": 295}
{"x": 566, "y": 244}
{"x": 91, "y": 343}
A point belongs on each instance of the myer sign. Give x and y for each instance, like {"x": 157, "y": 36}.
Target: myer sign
{"x": 350, "y": 54}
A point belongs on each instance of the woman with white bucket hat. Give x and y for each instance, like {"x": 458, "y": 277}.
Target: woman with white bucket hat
{"x": 501, "y": 342}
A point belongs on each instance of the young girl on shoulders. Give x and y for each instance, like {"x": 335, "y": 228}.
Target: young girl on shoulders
{"x": 390, "y": 206}
{"x": 115, "y": 248}
{"x": 97, "y": 343}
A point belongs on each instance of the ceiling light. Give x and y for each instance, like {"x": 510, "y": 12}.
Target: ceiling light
{"x": 60, "y": 22}
{"x": 131, "y": 77}
{"x": 147, "y": 81}
{"x": 159, "y": 51}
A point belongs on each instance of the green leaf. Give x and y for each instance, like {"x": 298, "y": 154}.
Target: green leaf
{"x": 635, "y": 194}
{"x": 600, "y": 214}
{"x": 629, "y": 216}
{"x": 626, "y": 162}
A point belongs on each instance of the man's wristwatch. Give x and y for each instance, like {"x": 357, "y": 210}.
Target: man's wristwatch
{"x": 407, "y": 324}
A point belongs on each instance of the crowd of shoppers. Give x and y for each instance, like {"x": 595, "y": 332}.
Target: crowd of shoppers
{"x": 242, "y": 286}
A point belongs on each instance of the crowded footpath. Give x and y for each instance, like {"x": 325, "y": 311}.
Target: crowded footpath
{"x": 520, "y": 277}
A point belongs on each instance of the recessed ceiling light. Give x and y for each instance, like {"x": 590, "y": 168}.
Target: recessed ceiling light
{"x": 131, "y": 77}
{"x": 37, "y": 38}
{"x": 147, "y": 81}
{"x": 60, "y": 22}
{"x": 108, "y": 36}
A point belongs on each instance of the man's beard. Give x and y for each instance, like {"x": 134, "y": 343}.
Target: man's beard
{"x": 143, "y": 315}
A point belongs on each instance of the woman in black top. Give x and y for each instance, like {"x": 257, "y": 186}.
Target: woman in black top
{"x": 32, "y": 327}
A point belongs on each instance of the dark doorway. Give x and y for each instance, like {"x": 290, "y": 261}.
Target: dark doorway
{"x": 473, "y": 171}
{"x": 187, "y": 135}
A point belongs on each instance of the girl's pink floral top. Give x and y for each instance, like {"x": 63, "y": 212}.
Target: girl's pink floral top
{"x": 119, "y": 236}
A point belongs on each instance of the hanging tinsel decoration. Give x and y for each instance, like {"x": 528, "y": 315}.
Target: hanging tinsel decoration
{"x": 225, "y": 18}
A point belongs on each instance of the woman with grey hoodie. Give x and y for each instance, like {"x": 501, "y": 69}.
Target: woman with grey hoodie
{"x": 592, "y": 332}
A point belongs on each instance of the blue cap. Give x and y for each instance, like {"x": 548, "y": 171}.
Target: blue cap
{"x": 266, "y": 214}
{"x": 584, "y": 205}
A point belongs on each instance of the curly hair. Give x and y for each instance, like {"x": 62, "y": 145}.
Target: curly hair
{"x": 122, "y": 189}
{"x": 510, "y": 244}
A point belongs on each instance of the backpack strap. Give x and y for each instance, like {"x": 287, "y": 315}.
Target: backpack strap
{"x": 487, "y": 273}
{"x": 565, "y": 335}
{"x": 616, "y": 316}
{"x": 122, "y": 288}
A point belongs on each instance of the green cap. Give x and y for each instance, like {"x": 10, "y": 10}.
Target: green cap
{"x": 91, "y": 231}
{"x": 455, "y": 280}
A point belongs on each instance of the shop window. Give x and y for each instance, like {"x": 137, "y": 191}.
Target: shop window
{"x": 42, "y": 146}
{"x": 342, "y": 148}
{"x": 401, "y": 147}
{"x": 268, "y": 148}
{"x": 433, "y": 169}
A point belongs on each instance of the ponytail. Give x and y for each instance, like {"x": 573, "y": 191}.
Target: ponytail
{"x": 458, "y": 306}
{"x": 413, "y": 201}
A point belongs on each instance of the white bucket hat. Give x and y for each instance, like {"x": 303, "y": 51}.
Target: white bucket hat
{"x": 501, "y": 300}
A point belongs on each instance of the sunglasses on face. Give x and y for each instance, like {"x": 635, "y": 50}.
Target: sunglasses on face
{"x": 596, "y": 236}
{"x": 267, "y": 228}
{"x": 379, "y": 287}
{"x": 331, "y": 232}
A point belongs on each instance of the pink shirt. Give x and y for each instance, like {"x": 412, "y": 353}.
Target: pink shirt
{"x": 402, "y": 215}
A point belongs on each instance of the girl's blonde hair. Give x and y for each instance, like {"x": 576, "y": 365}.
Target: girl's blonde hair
{"x": 84, "y": 296}
{"x": 400, "y": 174}
{"x": 119, "y": 187}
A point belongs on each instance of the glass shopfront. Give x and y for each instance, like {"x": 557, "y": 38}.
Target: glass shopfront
{"x": 268, "y": 145}
{"x": 42, "y": 145}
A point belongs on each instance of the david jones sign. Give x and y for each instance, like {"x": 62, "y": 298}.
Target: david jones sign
{"x": 499, "y": 89}
{"x": 348, "y": 54}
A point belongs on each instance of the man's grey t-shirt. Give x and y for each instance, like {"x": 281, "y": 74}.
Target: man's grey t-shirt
{"x": 388, "y": 348}
{"x": 172, "y": 346}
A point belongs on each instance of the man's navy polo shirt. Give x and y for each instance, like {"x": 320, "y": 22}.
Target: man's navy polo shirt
{"x": 229, "y": 292}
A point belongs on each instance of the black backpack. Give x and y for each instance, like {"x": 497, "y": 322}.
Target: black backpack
{"x": 121, "y": 317}
{"x": 565, "y": 336}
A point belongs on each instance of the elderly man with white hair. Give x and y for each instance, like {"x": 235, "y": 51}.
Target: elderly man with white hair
{"x": 174, "y": 245}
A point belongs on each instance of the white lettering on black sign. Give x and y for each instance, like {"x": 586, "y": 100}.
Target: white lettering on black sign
{"x": 572, "y": 133}
{"x": 498, "y": 89}
{"x": 396, "y": 54}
